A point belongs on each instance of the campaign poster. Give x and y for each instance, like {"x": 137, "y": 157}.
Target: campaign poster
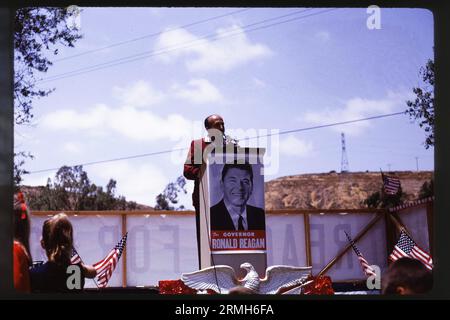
{"x": 237, "y": 215}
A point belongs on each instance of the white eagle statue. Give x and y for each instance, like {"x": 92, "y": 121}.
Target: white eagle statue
{"x": 222, "y": 278}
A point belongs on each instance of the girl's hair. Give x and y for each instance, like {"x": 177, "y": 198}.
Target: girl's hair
{"x": 22, "y": 222}
{"x": 57, "y": 237}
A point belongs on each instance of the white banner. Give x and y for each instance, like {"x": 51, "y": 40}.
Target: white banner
{"x": 328, "y": 239}
{"x": 162, "y": 247}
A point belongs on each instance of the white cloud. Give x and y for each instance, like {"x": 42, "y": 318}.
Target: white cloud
{"x": 127, "y": 121}
{"x": 139, "y": 94}
{"x": 140, "y": 183}
{"x": 198, "y": 91}
{"x": 72, "y": 120}
{"x": 130, "y": 120}
{"x": 175, "y": 42}
{"x": 293, "y": 146}
{"x": 146, "y": 126}
{"x": 137, "y": 182}
{"x": 38, "y": 179}
{"x": 207, "y": 55}
{"x": 357, "y": 108}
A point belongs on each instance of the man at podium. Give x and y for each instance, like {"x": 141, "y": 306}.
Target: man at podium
{"x": 194, "y": 162}
{"x": 233, "y": 212}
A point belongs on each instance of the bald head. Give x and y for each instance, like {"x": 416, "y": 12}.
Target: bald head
{"x": 215, "y": 121}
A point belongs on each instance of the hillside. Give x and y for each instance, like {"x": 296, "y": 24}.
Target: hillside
{"x": 322, "y": 190}
{"x": 335, "y": 190}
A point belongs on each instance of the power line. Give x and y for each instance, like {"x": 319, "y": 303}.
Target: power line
{"x": 149, "y": 54}
{"x": 326, "y": 125}
{"x": 115, "y": 159}
{"x": 152, "y": 53}
{"x": 250, "y": 138}
{"x": 117, "y": 44}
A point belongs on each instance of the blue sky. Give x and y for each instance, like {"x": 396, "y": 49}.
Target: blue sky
{"x": 324, "y": 68}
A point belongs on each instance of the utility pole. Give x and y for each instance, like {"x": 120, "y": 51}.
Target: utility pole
{"x": 389, "y": 167}
{"x": 417, "y": 163}
{"x": 344, "y": 160}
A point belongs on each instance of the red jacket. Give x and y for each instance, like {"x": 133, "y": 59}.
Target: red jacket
{"x": 192, "y": 169}
{"x": 21, "y": 262}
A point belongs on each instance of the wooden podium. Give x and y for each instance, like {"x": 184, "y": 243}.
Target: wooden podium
{"x": 221, "y": 244}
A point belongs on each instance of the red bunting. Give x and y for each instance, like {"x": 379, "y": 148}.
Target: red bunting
{"x": 174, "y": 287}
{"x": 322, "y": 285}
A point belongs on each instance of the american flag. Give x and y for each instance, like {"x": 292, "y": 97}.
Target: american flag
{"x": 106, "y": 266}
{"x": 75, "y": 258}
{"x": 391, "y": 184}
{"x": 368, "y": 270}
{"x": 406, "y": 247}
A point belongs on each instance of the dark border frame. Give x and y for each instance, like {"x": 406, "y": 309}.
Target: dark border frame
{"x": 441, "y": 12}
{"x": 6, "y": 149}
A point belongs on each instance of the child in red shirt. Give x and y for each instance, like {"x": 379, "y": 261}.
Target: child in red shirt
{"x": 21, "y": 248}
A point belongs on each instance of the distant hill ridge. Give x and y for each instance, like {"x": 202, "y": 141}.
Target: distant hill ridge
{"x": 322, "y": 190}
{"x": 335, "y": 190}
{"x": 36, "y": 191}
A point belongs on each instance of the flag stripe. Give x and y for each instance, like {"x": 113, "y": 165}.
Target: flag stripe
{"x": 424, "y": 260}
{"x": 106, "y": 267}
{"x": 419, "y": 255}
{"x": 75, "y": 258}
{"x": 103, "y": 262}
{"x": 420, "y": 252}
{"x": 406, "y": 247}
{"x": 391, "y": 185}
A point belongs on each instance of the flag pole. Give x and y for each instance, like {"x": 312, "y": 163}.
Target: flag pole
{"x": 93, "y": 279}
{"x": 383, "y": 195}
{"x": 400, "y": 226}
{"x": 367, "y": 269}
{"x": 348, "y": 245}
{"x": 84, "y": 263}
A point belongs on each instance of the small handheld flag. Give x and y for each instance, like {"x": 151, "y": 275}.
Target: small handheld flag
{"x": 75, "y": 258}
{"x": 368, "y": 270}
{"x": 406, "y": 247}
{"x": 106, "y": 266}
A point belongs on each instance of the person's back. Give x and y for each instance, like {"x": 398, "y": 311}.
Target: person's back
{"x": 51, "y": 277}
{"x": 57, "y": 241}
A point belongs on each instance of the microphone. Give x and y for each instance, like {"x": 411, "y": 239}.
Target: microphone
{"x": 225, "y": 138}
{"x": 229, "y": 140}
